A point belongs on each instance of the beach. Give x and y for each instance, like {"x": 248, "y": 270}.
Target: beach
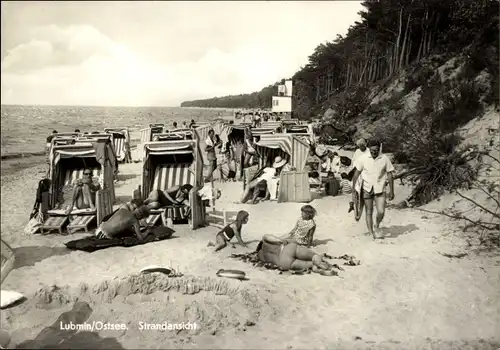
{"x": 404, "y": 294}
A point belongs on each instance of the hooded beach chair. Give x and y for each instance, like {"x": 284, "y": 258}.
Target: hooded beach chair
{"x": 67, "y": 164}
{"x": 303, "y": 132}
{"x": 174, "y": 163}
{"x": 289, "y": 147}
{"x": 147, "y": 135}
{"x": 121, "y": 143}
{"x": 170, "y": 136}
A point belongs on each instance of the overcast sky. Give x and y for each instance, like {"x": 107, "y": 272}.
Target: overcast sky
{"x": 157, "y": 53}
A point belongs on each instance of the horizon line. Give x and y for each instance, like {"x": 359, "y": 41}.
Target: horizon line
{"x": 106, "y": 106}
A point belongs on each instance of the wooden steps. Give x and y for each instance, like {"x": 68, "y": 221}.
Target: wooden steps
{"x": 53, "y": 223}
{"x": 81, "y": 223}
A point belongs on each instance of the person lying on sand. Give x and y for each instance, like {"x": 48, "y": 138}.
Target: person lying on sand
{"x": 122, "y": 223}
{"x": 304, "y": 229}
{"x": 175, "y": 195}
{"x": 230, "y": 231}
{"x": 84, "y": 193}
{"x": 291, "y": 256}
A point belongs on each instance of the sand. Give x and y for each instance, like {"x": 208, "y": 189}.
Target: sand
{"x": 405, "y": 293}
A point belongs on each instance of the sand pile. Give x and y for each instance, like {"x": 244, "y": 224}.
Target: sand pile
{"x": 149, "y": 298}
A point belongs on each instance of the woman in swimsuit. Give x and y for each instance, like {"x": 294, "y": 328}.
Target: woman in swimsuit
{"x": 290, "y": 256}
{"x": 230, "y": 231}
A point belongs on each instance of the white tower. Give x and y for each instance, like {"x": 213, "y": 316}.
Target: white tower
{"x": 283, "y": 101}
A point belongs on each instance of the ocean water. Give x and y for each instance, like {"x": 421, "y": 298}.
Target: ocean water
{"x": 25, "y": 128}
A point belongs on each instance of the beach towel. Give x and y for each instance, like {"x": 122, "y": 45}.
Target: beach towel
{"x": 92, "y": 243}
{"x": 253, "y": 259}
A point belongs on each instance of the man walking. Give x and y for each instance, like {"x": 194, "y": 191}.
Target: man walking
{"x": 373, "y": 172}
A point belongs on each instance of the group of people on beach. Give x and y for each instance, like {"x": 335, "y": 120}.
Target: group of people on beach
{"x": 289, "y": 252}
{"x": 368, "y": 182}
{"x": 372, "y": 174}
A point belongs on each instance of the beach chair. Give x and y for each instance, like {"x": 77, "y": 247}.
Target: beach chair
{"x": 169, "y": 175}
{"x": 173, "y": 163}
{"x": 67, "y": 166}
{"x": 80, "y": 219}
{"x": 121, "y": 143}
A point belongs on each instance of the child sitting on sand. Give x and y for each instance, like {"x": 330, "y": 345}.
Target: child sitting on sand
{"x": 303, "y": 231}
{"x": 231, "y": 230}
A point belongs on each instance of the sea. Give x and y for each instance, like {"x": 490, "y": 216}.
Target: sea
{"x": 24, "y": 129}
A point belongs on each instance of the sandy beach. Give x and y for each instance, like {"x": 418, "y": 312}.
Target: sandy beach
{"x": 405, "y": 293}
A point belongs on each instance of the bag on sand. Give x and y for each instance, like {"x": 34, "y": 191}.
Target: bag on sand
{"x": 34, "y": 224}
{"x": 332, "y": 186}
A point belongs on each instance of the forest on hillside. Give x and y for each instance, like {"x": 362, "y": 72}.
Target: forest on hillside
{"x": 391, "y": 36}
{"x": 258, "y": 99}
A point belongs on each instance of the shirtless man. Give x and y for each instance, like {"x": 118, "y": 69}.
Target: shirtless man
{"x": 122, "y": 222}
{"x": 84, "y": 193}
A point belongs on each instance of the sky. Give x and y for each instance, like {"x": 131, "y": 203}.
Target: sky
{"x": 157, "y": 53}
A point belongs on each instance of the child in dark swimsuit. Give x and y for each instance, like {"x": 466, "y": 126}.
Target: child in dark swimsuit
{"x": 231, "y": 230}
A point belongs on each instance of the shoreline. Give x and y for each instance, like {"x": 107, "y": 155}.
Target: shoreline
{"x": 21, "y": 155}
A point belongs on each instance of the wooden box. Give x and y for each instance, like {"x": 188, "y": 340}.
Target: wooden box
{"x": 294, "y": 187}
{"x": 220, "y": 218}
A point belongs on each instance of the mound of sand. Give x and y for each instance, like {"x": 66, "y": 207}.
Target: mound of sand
{"x": 148, "y": 298}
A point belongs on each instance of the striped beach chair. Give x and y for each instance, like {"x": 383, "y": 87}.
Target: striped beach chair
{"x": 119, "y": 147}
{"x": 120, "y": 139}
{"x": 79, "y": 221}
{"x": 165, "y": 177}
{"x": 72, "y": 175}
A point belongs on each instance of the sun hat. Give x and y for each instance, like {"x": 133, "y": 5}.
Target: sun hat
{"x": 279, "y": 162}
